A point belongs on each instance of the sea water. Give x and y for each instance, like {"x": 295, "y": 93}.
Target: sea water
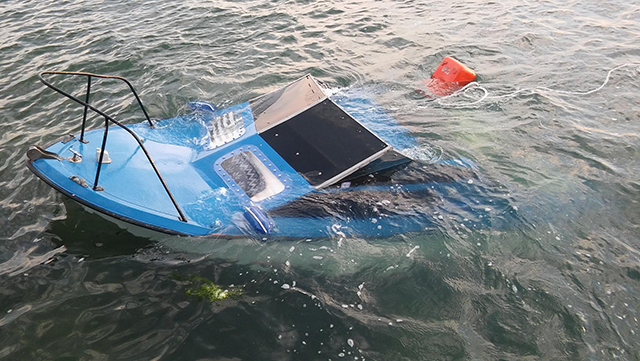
{"x": 556, "y": 277}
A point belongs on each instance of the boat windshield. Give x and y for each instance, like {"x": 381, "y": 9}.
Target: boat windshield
{"x": 273, "y": 108}
{"x": 314, "y": 135}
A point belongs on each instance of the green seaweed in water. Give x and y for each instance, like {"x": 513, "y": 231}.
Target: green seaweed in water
{"x": 205, "y": 290}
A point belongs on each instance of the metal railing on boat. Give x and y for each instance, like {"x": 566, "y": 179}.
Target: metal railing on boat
{"x": 108, "y": 119}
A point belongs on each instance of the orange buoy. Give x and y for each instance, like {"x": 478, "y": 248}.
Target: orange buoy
{"x": 449, "y": 76}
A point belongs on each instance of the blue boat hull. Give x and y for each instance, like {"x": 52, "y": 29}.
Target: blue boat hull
{"x": 397, "y": 199}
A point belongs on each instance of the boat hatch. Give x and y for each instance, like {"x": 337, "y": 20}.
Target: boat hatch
{"x": 250, "y": 174}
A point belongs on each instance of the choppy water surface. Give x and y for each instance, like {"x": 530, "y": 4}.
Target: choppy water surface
{"x": 561, "y": 280}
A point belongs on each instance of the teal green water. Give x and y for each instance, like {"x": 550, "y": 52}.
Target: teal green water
{"x": 560, "y": 281}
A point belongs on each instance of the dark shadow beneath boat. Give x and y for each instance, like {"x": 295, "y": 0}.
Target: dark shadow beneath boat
{"x": 91, "y": 235}
{"x": 372, "y": 193}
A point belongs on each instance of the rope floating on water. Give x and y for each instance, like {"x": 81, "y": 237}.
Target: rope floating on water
{"x": 475, "y": 86}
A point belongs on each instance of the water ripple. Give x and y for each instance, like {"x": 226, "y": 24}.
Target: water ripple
{"x": 550, "y": 274}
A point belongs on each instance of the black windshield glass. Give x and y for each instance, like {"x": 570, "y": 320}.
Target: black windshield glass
{"x": 324, "y": 142}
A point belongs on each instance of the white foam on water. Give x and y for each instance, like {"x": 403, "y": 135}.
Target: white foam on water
{"x": 412, "y": 250}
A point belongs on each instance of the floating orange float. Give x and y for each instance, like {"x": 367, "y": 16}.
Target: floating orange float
{"x": 449, "y": 76}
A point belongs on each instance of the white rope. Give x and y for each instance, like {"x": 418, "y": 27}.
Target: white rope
{"x": 467, "y": 89}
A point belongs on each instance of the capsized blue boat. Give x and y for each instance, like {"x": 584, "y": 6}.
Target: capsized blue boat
{"x": 292, "y": 163}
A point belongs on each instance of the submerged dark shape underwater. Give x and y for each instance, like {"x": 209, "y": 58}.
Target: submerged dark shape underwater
{"x": 292, "y": 163}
